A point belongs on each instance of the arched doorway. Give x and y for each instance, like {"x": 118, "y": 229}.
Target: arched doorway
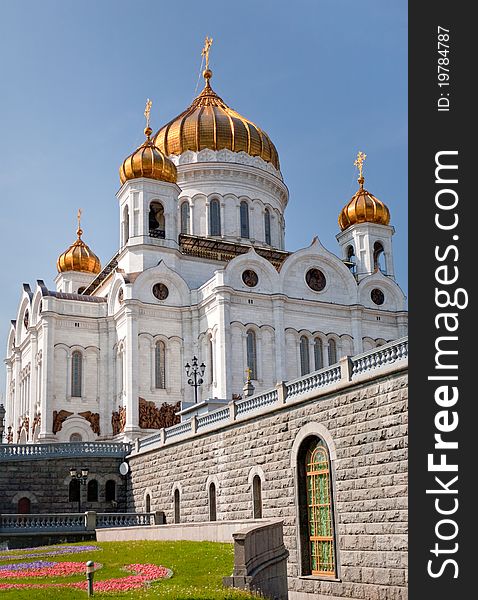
{"x": 24, "y": 506}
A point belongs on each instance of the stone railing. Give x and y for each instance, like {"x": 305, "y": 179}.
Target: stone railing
{"x": 65, "y": 522}
{"x": 343, "y": 373}
{"x": 63, "y": 450}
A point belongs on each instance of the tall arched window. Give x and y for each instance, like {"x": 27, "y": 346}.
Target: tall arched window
{"x": 212, "y": 502}
{"x": 304, "y": 355}
{"x": 185, "y": 211}
{"x": 377, "y": 257}
{"x": 257, "y": 497}
{"x": 332, "y": 352}
{"x": 251, "y": 353}
{"x": 160, "y": 365}
{"x": 110, "y": 490}
{"x": 316, "y": 510}
{"x": 76, "y": 373}
{"x": 147, "y": 503}
{"x": 214, "y": 217}
{"x": 92, "y": 491}
{"x": 177, "y": 507}
{"x": 74, "y": 491}
{"x": 267, "y": 226}
{"x": 211, "y": 360}
{"x": 244, "y": 210}
{"x": 125, "y": 225}
{"x": 318, "y": 354}
{"x": 157, "y": 221}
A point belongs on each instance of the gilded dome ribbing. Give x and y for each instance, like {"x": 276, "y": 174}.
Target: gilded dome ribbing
{"x": 148, "y": 161}
{"x": 210, "y": 123}
{"x": 79, "y": 257}
{"x": 363, "y": 207}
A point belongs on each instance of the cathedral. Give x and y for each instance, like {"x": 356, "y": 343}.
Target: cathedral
{"x": 201, "y": 276}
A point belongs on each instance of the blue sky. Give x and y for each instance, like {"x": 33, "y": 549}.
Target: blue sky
{"x": 324, "y": 78}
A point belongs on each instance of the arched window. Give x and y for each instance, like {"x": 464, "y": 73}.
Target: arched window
{"x": 24, "y": 506}
{"x": 212, "y": 502}
{"x": 332, "y": 352}
{"x": 267, "y": 226}
{"x": 177, "y": 507}
{"x": 304, "y": 356}
{"x": 76, "y": 437}
{"x": 185, "y": 217}
{"x": 316, "y": 510}
{"x": 147, "y": 503}
{"x": 125, "y": 225}
{"x": 214, "y": 217}
{"x": 110, "y": 490}
{"x": 318, "y": 354}
{"x": 92, "y": 491}
{"x": 211, "y": 361}
{"x": 351, "y": 260}
{"x": 244, "y": 210}
{"x": 377, "y": 257}
{"x": 160, "y": 365}
{"x": 251, "y": 353}
{"x": 257, "y": 497}
{"x": 76, "y": 373}
{"x": 74, "y": 491}
{"x": 157, "y": 221}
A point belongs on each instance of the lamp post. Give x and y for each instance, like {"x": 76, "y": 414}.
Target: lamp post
{"x": 195, "y": 375}
{"x": 2, "y": 422}
{"x": 81, "y": 477}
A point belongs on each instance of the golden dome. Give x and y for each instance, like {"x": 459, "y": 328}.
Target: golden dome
{"x": 148, "y": 161}
{"x": 364, "y": 207}
{"x": 210, "y": 123}
{"x": 79, "y": 257}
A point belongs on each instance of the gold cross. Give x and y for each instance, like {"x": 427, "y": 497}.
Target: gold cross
{"x": 249, "y": 373}
{"x": 205, "y": 50}
{"x": 359, "y": 162}
{"x": 78, "y": 216}
{"x": 147, "y": 111}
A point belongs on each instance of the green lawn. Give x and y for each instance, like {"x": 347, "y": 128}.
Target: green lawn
{"x": 198, "y": 568}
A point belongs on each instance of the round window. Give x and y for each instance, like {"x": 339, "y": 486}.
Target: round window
{"x": 160, "y": 291}
{"x": 315, "y": 279}
{"x": 377, "y": 296}
{"x": 250, "y": 278}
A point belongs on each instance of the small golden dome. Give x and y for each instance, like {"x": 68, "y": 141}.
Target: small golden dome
{"x": 363, "y": 207}
{"x": 210, "y": 123}
{"x": 79, "y": 257}
{"x": 148, "y": 161}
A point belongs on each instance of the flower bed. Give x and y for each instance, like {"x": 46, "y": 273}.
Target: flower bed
{"x": 45, "y": 551}
{"x": 42, "y": 569}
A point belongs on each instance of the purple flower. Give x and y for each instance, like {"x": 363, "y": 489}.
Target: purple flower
{"x": 39, "y": 564}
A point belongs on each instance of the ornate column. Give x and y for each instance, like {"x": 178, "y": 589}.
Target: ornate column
{"x": 46, "y": 408}
{"x": 356, "y": 319}
{"x": 279, "y": 339}
{"x": 33, "y": 380}
{"x": 223, "y": 347}
{"x": 130, "y": 374}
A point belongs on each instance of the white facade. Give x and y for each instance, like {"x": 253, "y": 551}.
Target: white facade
{"x": 130, "y": 344}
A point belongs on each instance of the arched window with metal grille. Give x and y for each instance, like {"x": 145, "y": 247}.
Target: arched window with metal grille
{"x": 318, "y": 354}
{"x": 332, "y": 352}
{"x": 177, "y": 507}
{"x": 257, "y": 497}
{"x": 304, "y": 355}
{"x": 244, "y": 210}
{"x": 318, "y": 548}
{"x": 76, "y": 373}
{"x": 251, "y": 353}
{"x": 267, "y": 226}
{"x": 214, "y": 217}
{"x": 160, "y": 365}
{"x": 185, "y": 217}
{"x": 212, "y": 502}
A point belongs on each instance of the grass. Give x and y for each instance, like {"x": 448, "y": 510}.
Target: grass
{"x": 198, "y": 569}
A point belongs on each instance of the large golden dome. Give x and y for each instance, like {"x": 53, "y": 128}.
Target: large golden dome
{"x": 210, "y": 123}
{"x": 148, "y": 161}
{"x": 79, "y": 257}
{"x": 364, "y": 207}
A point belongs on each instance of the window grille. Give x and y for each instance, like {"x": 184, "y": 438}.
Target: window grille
{"x": 304, "y": 355}
{"x": 160, "y": 366}
{"x": 267, "y": 226}
{"x": 76, "y": 373}
{"x": 252, "y": 353}
{"x": 318, "y": 354}
{"x": 214, "y": 218}
{"x": 244, "y": 209}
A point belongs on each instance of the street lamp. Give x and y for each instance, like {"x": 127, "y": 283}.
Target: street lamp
{"x": 195, "y": 374}
{"x": 81, "y": 477}
{"x": 2, "y": 422}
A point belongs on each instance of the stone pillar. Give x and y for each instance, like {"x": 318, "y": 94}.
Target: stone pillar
{"x": 279, "y": 350}
{"x": 223, "y": 347}
{"x": 46, "y": 409}
{"x": 18, "y": 389}
{"x": 104, "y": 381}
{"x": 131, "y": 367}
{"x": 356, "y": 319}
{"x": 8, "y": 395}
{"x": 33, "y": 381}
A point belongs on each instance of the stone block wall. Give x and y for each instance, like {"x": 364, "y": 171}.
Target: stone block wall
{"x": 365, "y": 428}
{"x": 46, "y": 483}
